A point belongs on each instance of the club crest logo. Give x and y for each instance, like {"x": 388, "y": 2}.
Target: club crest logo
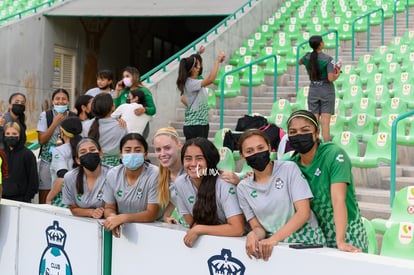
{"x": 225, "y": 264}
{"x": 54, "y": 260}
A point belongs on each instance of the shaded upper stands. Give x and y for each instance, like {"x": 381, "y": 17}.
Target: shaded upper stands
{"x": 13, "y": 9}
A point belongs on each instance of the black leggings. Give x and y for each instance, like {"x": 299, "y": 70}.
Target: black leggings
{"x": 193, "y": 131}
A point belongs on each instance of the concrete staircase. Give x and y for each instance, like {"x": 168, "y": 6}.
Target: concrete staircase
{"x": 372, "y": 185}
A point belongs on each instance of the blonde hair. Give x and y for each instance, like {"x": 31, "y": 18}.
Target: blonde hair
{"x": 164, "y": 172}
{"x": 14, "y": 125}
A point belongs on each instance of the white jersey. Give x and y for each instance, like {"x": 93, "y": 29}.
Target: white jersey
{"x": 135, "y": 124}
{"x": 132, "y": 198}
{"x": 94, "y": 91}
{"x": 226, "y": 198}
{"x": 61, "y": 159}
{"x": 90, "y": 198}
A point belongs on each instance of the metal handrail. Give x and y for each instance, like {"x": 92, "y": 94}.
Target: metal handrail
{"x": 368, "y": 28}
{"x": 305, "y": 42}
{"x": 393, "y": 165}
{"x": 395, "y": 16}
{"x": 249, "y": 100}
{"x": 34, "y": 9}
{"x": 193, "y": 45}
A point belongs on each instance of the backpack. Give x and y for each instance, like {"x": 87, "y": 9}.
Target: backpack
{"x": 273, "y": 133}
{"x": 231, "y": 140}
{"x": 250, "y": 122}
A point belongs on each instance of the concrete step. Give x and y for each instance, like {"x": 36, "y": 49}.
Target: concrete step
{"x": 371, "y": 210}
{"x": 372, "y": 195}
{"x": 400, "y": 182}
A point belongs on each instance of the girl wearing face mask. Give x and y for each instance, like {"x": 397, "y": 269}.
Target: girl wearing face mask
{"x": 131, "y": 81}
{"x": 131, "y": 192}
{"x": 23, "y": 181}
{"x": 208, "y": 203}
{"x": 84, "y": 186}
{"x": 64, "y": 157}
{"x": 48, "y": 135}
{"x": 105, "y": 129}
{"x": 275, "y": 200}
{"x": 15, "y": 113}
{"x": 327, "y": 168}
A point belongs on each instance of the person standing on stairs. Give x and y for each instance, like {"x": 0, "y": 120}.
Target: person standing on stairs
{"x": 327, "y": 168}
{"x": 322, "y": 74}
{"x": 196, "y": 96}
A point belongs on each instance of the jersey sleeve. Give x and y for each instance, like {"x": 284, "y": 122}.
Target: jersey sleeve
{"x": 228, "y": 199}
{"x": 341, "y": 166}
{"x": 244, "y": 204}
{"x": 42, "y": 123}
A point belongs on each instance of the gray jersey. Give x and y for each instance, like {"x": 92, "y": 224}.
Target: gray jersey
{"x": 95, "y": 91}
{"x": 272, "y": 203}
{"x": 90, "y": 198}
{"x": 132, "y": 198}
{"x": 61, "y": 159}
{"x": 110, "y": 136}
{"x": 194, "y": 93}
{"x": 226, "y": 198}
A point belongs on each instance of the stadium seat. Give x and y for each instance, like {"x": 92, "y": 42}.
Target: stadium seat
{"x": 336, "y": 125}
{"x": 362, "y": 125}
{"x": 330, "y": 41}
{"x": 291, "y": 56}
{"x": 348, "y": 82}
{"x": 226, "y": 162}
{"x": 401, "y": 211}
{"x": 293, "y": 31}
{"x": 385, "y": 125}
{"x": 379, "y": 54}
{"x": 245, "y": 169}
{"x": 231, "y": 87}
{"x": 266, "y": 31}
{"x": 266, "y": 51}
{"x": 301, "y": 102}
{"x": 219, "y": 137}
{"x": 222, "y": 70}
{"x": 352, "y": 95}
{"x": 281, "y": 66}
{"x": 349, "y": 142}
{"x": 340, "y": 108}
{"x": 398, "y": 241}
{"x": 247, "y": 59}
{"x": 378, "y": 149}
{"x": 212, "y": 103}
{"x": 257, "y": 76}
{"x": 405, "y": 92}
{"x": 281, "y": 106}
{"x": 279, "y": 119}
{"x": 394, "y": 105}
{"x": 366, "y": 72}
{"x": 346, "y": 71}
{"x": 281, "y": 43}
{"x": 238, "y": 55}
{"x": 391, "y": 72}
{"x": 378, "y": 94}
{"x": 365, "y": 106}
{"x": 363, "y": 60}
{"x": 394, "y": 44}
{"x": 345, "y": 32}
{"x": 372, "y": 237}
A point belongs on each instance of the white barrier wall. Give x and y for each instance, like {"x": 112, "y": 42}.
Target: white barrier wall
{"x": 49, "y": 241}
{"x": 159, "y": 249}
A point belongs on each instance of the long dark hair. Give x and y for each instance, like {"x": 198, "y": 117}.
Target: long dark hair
{"x": 134, "y": 136}
{"x": 184, "y": 71}
{"x": 314, "y": 72}
{"x": 60, "y": 90}
{"x": 79, "y": 176}
{"x": 101, "y": 107}
{"x": 21, "y": 118}
{"x": 205, "y": 207}
{"x": 136, "y": 77}
{"x": 82, "y": 100}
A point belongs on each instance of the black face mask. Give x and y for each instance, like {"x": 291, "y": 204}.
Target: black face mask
{"x": 200, "y": 72}
{"x": 11, "y": 141}
{"x": 90, "y": 161}
{"x": 18, "y": 109}
{"x": 104, "y": 87}
{"x": 259, "y": 161}
{"x": 302, "y": 143}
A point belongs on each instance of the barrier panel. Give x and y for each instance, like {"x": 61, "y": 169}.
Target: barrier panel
{"x": 159, "y": 249}
{"x": 49, "y": 241}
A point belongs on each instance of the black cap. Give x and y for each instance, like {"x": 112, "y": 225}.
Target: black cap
{"x": 72, "y": 124}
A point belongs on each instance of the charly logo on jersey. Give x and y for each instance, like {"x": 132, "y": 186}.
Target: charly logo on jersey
{"x": 279, "y": 183}
{"x": 54, "y": 260}
{"x": 253, "y": 194}
{"x": 191, "y": 199}
{"x": 232, "y": 191}
{"x": 225, "y": 264}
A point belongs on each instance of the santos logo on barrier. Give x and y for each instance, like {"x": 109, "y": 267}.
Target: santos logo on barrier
{"x": 54, "y": 260}
{"x": 225, "y": 264}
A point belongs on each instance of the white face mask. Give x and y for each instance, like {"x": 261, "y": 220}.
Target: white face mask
{"x": 127, "y": 81}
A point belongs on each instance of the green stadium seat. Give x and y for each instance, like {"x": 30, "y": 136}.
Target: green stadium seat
{"x": 388, "y": 10}
{"x": 362, "y": 125}
{"x": 330, "y": 41}
{"x": 266, "y": 51}
{"x": 291, "y": 56}
{"x": 362, "y": 61}
{"x": 378, "y": 149}
{"x": 244, "y": 60}
{"x": 281, "y": 106}
{"x": 405, "y": 92}
{"x": 257, "y": 76}
{"x": 375, "y": 80}
{"x": 219, "y": 137}
{"x": 345, "y": 32}
{"x": 346, "y": 71}
{"x": 293, "y": 31}
{"x": 279, "y": 119}
{"x": 392, "y": 72}
{"x": 281, "y": 44}
{"x": 352, "y": 96}
{"x": 349, "y": 142}
{"x": 222, "y": 70}
{"x": 212, "y": 103}
{"x": 340, "y": 108}
{"x": 372, "y": 237}
{"x": 394, "y": 44}
{"x": 281, "y": 66}
{"x": 347, "y": 83}
{"x": 385, "y": 125}
{"x": 226, "y": 162}
{"x": 365, "y": 106}
{"x": 266, "y": 32}
{"x": 366, "y": 72}
{"x": 407, "y": 65}
{"x": 274, "y": 23}
{"x": 378, "y": 93}
{"x": 398, "y": 241}
{"x": 337, "y": 125}
{"x": 379, "y": 54}
{"x": 394, "y": 105}
{"x": 238, "y": 55}
{"x": 301, "y": 102}
{"x": 232, "y": 87}
{"x": 361, "y": 25}
{"x": 245, "y": 169}
{"x": 401, "y": 211}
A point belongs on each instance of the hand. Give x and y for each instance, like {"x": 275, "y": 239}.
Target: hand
{"x": 122, "y": 123}
{"x": 191, "y": 236}
{"x": 343, "y": 246}
{"x": 266, "y": 248}
{"x": 170, "y": 220}
{"x": 221, "y": 56}
{"x": 116, "y": 232}
{"x": 97, "y": 213}
{"x": 112, "y": 222}
{"x": 252, "y": 245}
{"x": 139, "y": 111}
{"x": 59, "y": 117}
{"x": 230, "y": 177}
{"x": 201, "y": 50}
{"x": 2, "y": 120}
{"x": 119, "y": 86}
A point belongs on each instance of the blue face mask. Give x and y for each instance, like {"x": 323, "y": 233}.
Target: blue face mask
{"x": 60, "y": 108}
{"x": 133, "y": 161}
